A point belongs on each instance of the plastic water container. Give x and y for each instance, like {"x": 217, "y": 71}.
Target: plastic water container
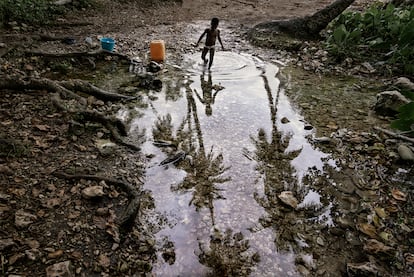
{"x": 108, "y": 44}
{"x": 157, "y": 50}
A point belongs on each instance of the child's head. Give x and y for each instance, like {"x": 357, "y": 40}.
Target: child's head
{"x": 214, "y": 22}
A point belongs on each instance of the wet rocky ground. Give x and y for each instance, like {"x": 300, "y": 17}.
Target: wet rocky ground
{"x": 51, "y": 225}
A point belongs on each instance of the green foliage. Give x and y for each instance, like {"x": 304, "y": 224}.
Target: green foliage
{"x": 405, "y": 122}
{"x": 28, "y": 11}
{"x": 63, "y": 67}
{"x": 380, "y": 34}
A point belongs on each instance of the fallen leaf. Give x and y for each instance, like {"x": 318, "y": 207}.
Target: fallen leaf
{"x": 6, "y": 123}
{"x": 34, "y": 244}
{"x": 381, "y": 212}
{"x": 368, "y": 230}
{"x": 74, "y": 214}
{"x": 385, "y": 236}
{"x": 77, "y": 255}
{"x": 398, "y": 195}
{"x": 409, "y": 258}
{"x": 100, "y": 222}
{"x": 104, "y": 261}
{"x": 52, "y": 202}
{"x": 112, "y": 230}
{"x": 332, "y": 125}
{"x": 392, "y": 208}
{"x": 42, "y": 127}
{"x": 373, "y": 246}
{"x": 15, "y": 258}
{"x": 40, "y": 142}
{"x": 55, "y": 254}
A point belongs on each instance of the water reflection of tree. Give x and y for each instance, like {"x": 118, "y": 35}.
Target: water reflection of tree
{"x": 205, "y": 172}
{"x": 296, "y": 229}
{"x": 228, "y": 254}
{"x": 274, "y": 165}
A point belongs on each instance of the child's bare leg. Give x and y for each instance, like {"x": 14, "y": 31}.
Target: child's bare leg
{"x": 211, "y": 57}
{"x": 203, "y": 54}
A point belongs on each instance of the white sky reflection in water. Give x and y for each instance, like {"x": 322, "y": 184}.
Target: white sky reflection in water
{"x": 238, "y": 112}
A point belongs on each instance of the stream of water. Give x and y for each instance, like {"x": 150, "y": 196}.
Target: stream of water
{"x": 220, "y": 111}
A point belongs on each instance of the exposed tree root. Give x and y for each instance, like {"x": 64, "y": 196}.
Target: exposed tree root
{"x": 19, "y": 84}
{"x": 307, "y": 27}
{"x": 80, "y": 85}
{"x": 66, "y": 89}
{"x": 129, "y": 214}
{"x": 114, "y": 125}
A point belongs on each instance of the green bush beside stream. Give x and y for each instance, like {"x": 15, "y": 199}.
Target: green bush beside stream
{"x": 383, "y": 35}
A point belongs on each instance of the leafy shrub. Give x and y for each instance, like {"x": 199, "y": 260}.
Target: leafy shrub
{"x": 405, "y": 121}
{"x": 380, "y": 33}
{"x": 28, "y": 11}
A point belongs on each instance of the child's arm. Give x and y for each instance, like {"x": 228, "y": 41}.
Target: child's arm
{"x": 219, "y": 39}
{"x": 201, "y": 37}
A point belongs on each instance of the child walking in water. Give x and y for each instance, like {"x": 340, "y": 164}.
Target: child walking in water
{"x": 212, "y": 34}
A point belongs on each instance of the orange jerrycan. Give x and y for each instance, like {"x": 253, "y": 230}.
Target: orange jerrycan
{"x": 157, "y": 50}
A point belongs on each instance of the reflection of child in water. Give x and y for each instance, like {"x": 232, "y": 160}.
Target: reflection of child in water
{"x": 208, "y": 96}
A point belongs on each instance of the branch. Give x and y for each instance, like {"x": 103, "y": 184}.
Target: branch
{"x": 62, "y": 2}
{"x": 395, "y": 134}
{"x": 245, "y": 3}
{"x": 78, "y": 54}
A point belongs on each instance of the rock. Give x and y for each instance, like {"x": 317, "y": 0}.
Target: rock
{"x": 153, "y": 67}
{"x": 32, "y": 254}
{"x": 89, "y": 41}
{"x": 93, "y": 192}
{"x": 287, "y": 198}
{"x": 303, "y": 270}
{"x": 404, "y": 83}
{"x": 320, "y": 241}
{"x": 106, "y": 147}
{"x": 388, "y": 102}
{"x": 6, "y": 243}
{"x": 322, "y": 140}
{"x": 284, "y": 120}
{"x": 23, "y": 219}
{"x": 4, "y": 169}
{"x": 61, "y": 269}
{"x": 405, "y": 153}
{"x": 367, "y": 68}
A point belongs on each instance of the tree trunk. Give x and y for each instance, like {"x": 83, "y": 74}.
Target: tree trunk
{"x": 307, "y": 27}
